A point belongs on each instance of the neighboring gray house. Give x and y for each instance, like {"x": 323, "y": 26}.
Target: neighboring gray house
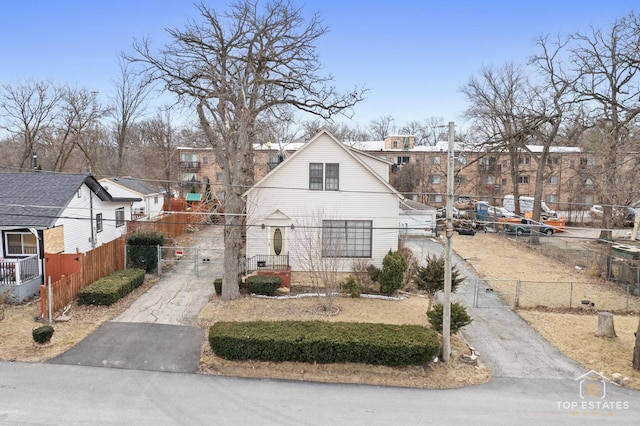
{"x": 417, "y": 219}
{"x": 152, "y": 197}
{"x": 46, "y": 212}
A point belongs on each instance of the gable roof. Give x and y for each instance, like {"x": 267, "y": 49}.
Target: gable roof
{"x": 36, "y": 199}
{"x": 136, "y": 185}
{"x": 352, "y": 152}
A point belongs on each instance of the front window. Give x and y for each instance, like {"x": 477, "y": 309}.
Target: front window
{"x": 20, "y": 244}
{"x": 119, "y": 217}
{"x": 434, "y": 160}
{"x": 346, "y": 238}
{"x": 434, "y": 179}
{"x": 523, "y": 179}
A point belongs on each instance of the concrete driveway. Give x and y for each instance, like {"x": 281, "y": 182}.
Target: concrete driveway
{"x": 508, "y": 346}
{"x": 158, "y": 332}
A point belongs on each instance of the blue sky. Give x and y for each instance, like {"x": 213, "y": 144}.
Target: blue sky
{"x": 414, "y": 55}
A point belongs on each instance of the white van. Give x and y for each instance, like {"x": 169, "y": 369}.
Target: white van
{"x": 526, "y": 205}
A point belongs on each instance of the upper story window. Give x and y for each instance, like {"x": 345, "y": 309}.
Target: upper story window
{"x": 435, "y": 160}
{"x": 119, "y": 217}
{"x": 434, "y": 179}
{"x": 523, "y": 179}
{"x": 401, "y": 160}
{"x": 324, "y": 176}
{"x": 98, "y": 222}
{"x": 525, "y": 160}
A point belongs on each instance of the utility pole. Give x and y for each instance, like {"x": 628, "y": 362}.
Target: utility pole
{"x": 446, "y": 303}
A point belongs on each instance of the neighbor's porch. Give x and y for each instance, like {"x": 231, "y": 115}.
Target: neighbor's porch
{"x": 20, "y": 278}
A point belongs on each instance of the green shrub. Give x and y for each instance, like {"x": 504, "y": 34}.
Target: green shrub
{"x": 142, "y": 250}
{"x": 110, "y": 289}
{"x": 263, "y": 285}
{"x": 391, "y": 275}
{"x": 459, "y": 317}
{"x": 351, "y": 287}
{"x": 324, "y": 342}
{"x": 42, "y": 334}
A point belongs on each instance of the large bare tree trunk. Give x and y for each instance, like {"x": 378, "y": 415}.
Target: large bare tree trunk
{"x": 605, "y": 325}
{"x": 636, "y": 350}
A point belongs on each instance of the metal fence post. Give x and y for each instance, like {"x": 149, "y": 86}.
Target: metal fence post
{"x": 475, "y": 293}
{"x": 196, "y": 261}
{"x": 570, "y": 294}
{"x": 628, "y": 297}
{"x": 516, "y": 301}
{"x": 159, "y": 260}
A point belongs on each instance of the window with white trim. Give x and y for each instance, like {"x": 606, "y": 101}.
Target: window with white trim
{"x": 98, "y": 222}
{"x": 119, "y": 217}
{"x": 324, "y": 176}
{"x": 20, "y": 243}
{"x": 346, "y": 238}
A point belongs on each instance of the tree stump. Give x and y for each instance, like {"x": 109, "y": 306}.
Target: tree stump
{"x": 605, "y": 325}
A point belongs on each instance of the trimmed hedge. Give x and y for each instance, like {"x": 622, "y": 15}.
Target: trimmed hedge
{"x": 263, "y": 285}
{"x": 142, "y": 250}
{"x": 324, "y": 342}
{"x": 42, "y": 334}
{"x": 110, "y": 289}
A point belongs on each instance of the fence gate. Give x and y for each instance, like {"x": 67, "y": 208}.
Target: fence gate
{"x": 196, "y": 261}
{"x": 488, "y": 297}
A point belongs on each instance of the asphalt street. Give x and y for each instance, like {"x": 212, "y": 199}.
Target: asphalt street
{"x": 155, "y": 348}
{"x": 46, "y": 394}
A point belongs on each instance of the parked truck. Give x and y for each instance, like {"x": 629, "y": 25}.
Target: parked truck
{"x": 526, "y": 206}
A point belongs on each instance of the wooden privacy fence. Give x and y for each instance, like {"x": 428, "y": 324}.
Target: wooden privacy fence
{"x": 93, "y": 265}
{"x": 170, "y": 225}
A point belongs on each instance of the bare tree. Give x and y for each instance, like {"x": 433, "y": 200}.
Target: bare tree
{"x": 28, "y": 109}
{"x": 382, "y": 127}
{"x": 236, "y": 67}
{"x": 79, "y": 113}
{"x": 158, "y": 138}
{"x": 499, "y": 108}
{"x": 607, "y": 63}
{"x": 131, "y": 91}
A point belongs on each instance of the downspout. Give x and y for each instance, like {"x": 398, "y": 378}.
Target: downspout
{"x": 93, "y": 240}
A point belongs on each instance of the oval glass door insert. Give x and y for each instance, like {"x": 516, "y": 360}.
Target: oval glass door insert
{"x": 277, "y": 241}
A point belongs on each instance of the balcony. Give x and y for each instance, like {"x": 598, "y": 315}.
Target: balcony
{"x": 192, "y": 166}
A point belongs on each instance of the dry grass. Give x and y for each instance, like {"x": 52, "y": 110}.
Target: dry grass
{"x": 15, "y": 330}
{"x": 570, "y": 330}
{"x": 410, "y": 310}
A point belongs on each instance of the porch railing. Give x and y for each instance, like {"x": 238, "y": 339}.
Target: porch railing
{"x": 18, "y": 271}
{"x": 264, "y": 261}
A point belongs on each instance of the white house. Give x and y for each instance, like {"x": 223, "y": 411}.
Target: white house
{"x": 152, "y": 197}
{"x": 325, "y": 201}
{"x": 45, "y": 212}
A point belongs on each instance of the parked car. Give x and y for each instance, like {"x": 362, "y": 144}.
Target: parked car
{"x": 495, "y": 211}
{"x": 442, "y": 212}
{"x": 465, "y": 231}
{"x": 526, "y": 227}
{"x": 622, "y": 216}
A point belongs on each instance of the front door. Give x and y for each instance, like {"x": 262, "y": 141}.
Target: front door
{"x": 277, "y": 241}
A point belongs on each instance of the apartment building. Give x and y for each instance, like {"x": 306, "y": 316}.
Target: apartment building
{"x": 419, "y": 172}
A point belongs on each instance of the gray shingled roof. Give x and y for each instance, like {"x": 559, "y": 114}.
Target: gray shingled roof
{"x": 137, "y": 185}
{"x": 36, "y": 199}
